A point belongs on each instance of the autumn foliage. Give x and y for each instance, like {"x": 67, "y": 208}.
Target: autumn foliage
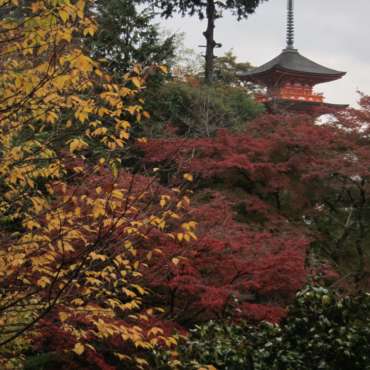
{"x": 283, "y": 202}
{"x": 71, "y": 221}
{"x": 100, "y": 264}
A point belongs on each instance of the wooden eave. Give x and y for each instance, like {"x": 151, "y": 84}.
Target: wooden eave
{"x": 278, "y": 75}
{"x": 304, "y": 106}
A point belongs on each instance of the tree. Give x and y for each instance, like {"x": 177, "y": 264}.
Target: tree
{"x": 282, "y": 200}
{"x": 227, "y": 67}
{"x": 127, "y": 35}
{"x": 71, "y": 220}
{"x": 211, "y": 9}
{"x": 193, "y": 110}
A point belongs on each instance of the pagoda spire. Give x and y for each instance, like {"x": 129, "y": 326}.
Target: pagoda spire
{"x": 290, "y": 78}
{"x": 290, "y": 25}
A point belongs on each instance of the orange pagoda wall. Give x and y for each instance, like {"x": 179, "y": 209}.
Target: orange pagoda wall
{"x": 291, "y": 91}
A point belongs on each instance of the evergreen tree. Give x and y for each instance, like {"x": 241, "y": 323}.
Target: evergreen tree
{"x": 127, "y": 35}
{"x": 226, "y": 69}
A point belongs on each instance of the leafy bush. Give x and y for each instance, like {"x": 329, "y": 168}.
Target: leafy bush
{"x": 322, "y": 331}
{"x": 223, "y": 345}
{"x": 196, "y": 110}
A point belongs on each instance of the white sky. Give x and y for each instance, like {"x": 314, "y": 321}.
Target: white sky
{"x": 335, "y": 33}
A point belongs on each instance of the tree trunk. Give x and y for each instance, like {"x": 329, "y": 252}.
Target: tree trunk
{"x": 209, "y": 35}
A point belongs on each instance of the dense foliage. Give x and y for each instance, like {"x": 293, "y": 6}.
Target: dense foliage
{"x": 194, "y": 110}
{"x": 241, "y": 8}
{"x": 103, "y": 256}
{"x": 282, "y": 200}
{"x": 127, "y": 35}
{"x": 228, "y": 69}
{"x": 71, "y": 221}
{"x": 321, "y": 331}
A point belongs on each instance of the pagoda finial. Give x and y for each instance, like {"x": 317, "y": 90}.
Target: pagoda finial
{"x": 290, "y": 25}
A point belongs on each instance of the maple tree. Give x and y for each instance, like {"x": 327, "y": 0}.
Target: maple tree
{"x": 71, "y": 221}
{"x": 283, "y": 200}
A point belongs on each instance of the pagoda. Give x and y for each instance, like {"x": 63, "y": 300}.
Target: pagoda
{"x": 290, "y": 78}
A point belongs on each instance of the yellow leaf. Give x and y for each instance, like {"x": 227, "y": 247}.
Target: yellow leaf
{"x": 98, "y": 257}
{"x": 79, "y": 348}
{"x": 78, "y": 169}
{"x": 124, "y": 135}
{"x": 63, "y": 15}
{"x": 83, "y": 63}
{"x": 39, "y": 204}
{"x": 122, "y": 357}
{"x": 77, "y": 144}
{"x": 89, "y": 30}
{"x": 43, "y": 282}
{"x": 129, "y": 293}
{"x": 131, "y": 109}
{"x": 155, "y": 331}
{"x": 142, "y": 140}
{"x": 163, "y": 69}
{"x": 188, "y": 177}
{"x": 30, "y": 224}
{"x": 141, "y": 361}
{"x": 77, "y": 302}
{"x": 118, "y": 194}
{"x": 139, "y": 289}
{"x": 99, "y": 208}
{"x": 35, "y": 7}
{"x": 63, "y": 316}
{"x": 136, "y": 82}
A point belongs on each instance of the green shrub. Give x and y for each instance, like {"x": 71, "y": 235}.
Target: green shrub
{"x": 219, "y": 344}
{"x": 321, "y": 331}
{"x": 198, "y": 110}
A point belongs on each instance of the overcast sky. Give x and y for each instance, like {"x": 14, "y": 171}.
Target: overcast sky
{"x": 334, "y": 33}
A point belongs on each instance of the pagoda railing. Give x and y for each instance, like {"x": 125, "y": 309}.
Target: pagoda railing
{"x": 294, "y": 92}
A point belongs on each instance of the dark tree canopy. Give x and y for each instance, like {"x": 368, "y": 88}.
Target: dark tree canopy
{"x": 210, "y": 9}
{"x": 127, "y": 35}
{"x": 240, "y": 8}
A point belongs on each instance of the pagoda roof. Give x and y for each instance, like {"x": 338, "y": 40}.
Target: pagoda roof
{"x": 291, "y": 62}
{"x": 298, "y": 105}
{"x": 283, "y": 106}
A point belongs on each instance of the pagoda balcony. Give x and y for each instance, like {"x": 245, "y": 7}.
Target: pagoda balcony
{"x": 291, "y": 94}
